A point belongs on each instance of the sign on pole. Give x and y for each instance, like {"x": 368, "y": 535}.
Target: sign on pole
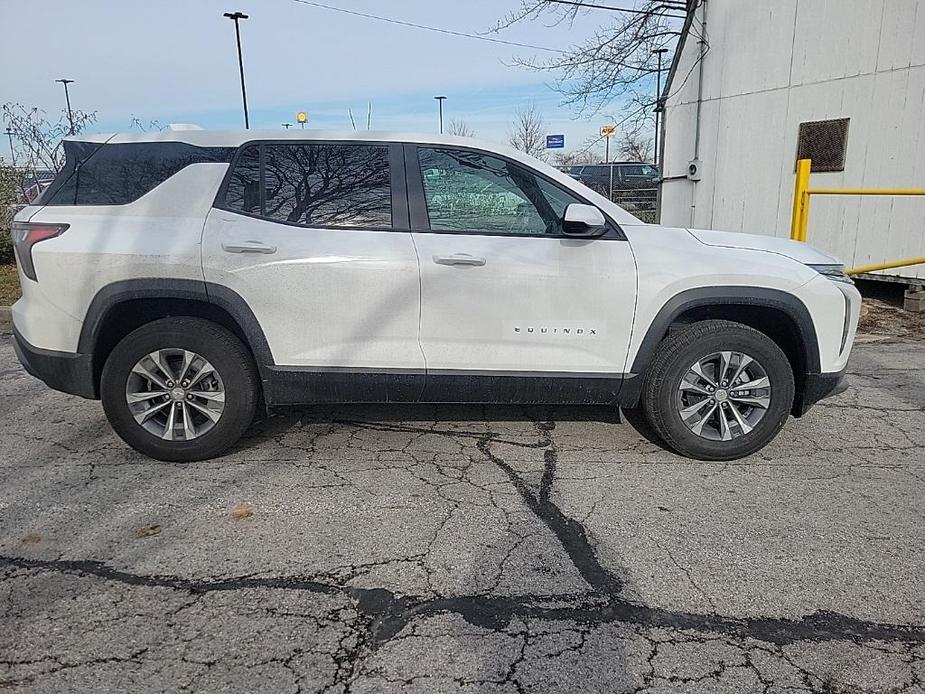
{"x": 608, "y": 131}
{"x": 555, "y": 141}
{"x": 301, "y": 117}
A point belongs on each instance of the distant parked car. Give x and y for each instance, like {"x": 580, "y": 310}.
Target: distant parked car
{"x": 639, "y": 178}
{"x": 31, "y": 193}
{"x": 33, "y": 185}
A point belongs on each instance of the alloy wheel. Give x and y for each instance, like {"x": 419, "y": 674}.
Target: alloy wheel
{"x": 175, "y": 394}
{"x": 724, "y": 396}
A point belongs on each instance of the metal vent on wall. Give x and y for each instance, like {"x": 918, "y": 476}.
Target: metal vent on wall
{"x": 825, "y": 142}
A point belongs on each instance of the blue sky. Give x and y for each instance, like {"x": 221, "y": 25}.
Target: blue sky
{"x": 175, "y": 61}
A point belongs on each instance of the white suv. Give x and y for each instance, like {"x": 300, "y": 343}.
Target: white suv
{"x": 189, "y": 278}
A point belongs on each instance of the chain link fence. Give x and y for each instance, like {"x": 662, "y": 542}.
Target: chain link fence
{"x": 640, "y": 202}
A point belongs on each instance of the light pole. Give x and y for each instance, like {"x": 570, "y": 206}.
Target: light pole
{"x": 236, "y": 17}
{"x": 9, "y": 133}
{"x": 440, "y": 100}
{"x": 658, "y": 97}
{"x": 67, "y": 98}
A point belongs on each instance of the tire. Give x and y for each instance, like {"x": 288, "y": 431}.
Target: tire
{"x": 673, "y": 386}
{"x": 231, "y": 385}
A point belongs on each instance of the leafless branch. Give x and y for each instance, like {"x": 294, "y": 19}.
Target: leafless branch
{"x": 138, "y": 124}
{"x": 460, "y": 128}
{"x": 527, "y": 132}
{"x": 616, "y": 64}
{"x": 36, "y": 139}
{"x": 635, "y": 145}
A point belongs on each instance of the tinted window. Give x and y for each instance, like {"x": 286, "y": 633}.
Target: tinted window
{"x": 632, "y": 170}
{"x": 243, "y": 192}
{"x": 116, "y": 174}
{"x": 328, "y": 184}
{"x": 470, "y": 191}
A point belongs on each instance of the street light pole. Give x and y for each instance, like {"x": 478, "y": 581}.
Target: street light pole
{"x": 9, "y": 133}
{"x": 658, "y": 98}
{"x": 67, "y": 98}
{"x": 236, "y": 16}
{"x": 440, "y": 100}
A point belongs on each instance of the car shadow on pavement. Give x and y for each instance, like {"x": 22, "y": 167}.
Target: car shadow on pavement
{"x": 267, "y": 427}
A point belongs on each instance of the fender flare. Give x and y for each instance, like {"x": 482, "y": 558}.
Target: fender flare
{"x": 730, "y": 296}
{"x": 110, "y": 296}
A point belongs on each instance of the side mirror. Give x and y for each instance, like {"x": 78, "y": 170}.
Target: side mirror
{"x": 583, "y": 220}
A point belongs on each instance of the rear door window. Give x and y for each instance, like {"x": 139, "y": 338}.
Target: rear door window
{"x": 243, "y": 192}
{"x": 328, "y": 185}
{"x": 316, "y": 185}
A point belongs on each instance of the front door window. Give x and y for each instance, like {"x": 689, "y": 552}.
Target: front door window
{"x": 471, "y": 191}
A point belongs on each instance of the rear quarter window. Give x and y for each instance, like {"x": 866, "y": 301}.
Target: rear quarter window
{"x": 117, "y": 174}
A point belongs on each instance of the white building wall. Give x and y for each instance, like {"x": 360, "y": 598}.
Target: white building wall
{"x": 771, "y": 66}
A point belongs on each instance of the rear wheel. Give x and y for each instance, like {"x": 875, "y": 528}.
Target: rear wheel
{"x": 179, "y": 389}
{"x": 718, "y": 390}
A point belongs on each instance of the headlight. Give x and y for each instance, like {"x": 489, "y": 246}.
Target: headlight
{"x": 835, "y": 272}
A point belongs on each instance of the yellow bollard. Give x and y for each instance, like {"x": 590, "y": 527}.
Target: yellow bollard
{"x": 800, "y": 217}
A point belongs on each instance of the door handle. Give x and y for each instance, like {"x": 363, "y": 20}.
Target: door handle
{"x": 248, "y": 247}
{"x": 459, "y": 259}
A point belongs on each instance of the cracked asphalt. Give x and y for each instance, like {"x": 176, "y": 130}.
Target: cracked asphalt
{"x": 467, "y": 549}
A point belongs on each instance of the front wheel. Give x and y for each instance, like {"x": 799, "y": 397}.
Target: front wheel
{"x": 179, "y": 389}
{"x": 718, "y": 390}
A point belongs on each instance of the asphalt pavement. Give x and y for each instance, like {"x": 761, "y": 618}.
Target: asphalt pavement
{"x": 467, "y": 549}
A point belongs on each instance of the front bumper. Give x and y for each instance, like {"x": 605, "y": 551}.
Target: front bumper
{"x": 816, "y": 387}
{"x": 65, "y": 371}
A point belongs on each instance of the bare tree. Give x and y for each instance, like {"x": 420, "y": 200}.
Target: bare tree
{"x": 460, "y": 128}
{"x": 634, "y": 145}
{"x": 37, "y": 140}
{"x": 581, "y": 156}
{"x": 528, "y": 132}
{"x": 617, "y": 63}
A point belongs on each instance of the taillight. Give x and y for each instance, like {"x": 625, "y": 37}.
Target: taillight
{"x": 26, "y": 235}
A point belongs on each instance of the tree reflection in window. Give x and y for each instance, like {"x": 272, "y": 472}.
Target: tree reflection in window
{"x": 328, "y": 185}
{"x": 468, "y": 190}
{"x": 244, "y": 183}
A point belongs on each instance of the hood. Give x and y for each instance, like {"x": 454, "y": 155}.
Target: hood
{"x": 795, "y": 250}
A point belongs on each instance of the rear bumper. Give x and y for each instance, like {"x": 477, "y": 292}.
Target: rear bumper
{"x": 818, "y": 387}
{"x": 65, "y": 371}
